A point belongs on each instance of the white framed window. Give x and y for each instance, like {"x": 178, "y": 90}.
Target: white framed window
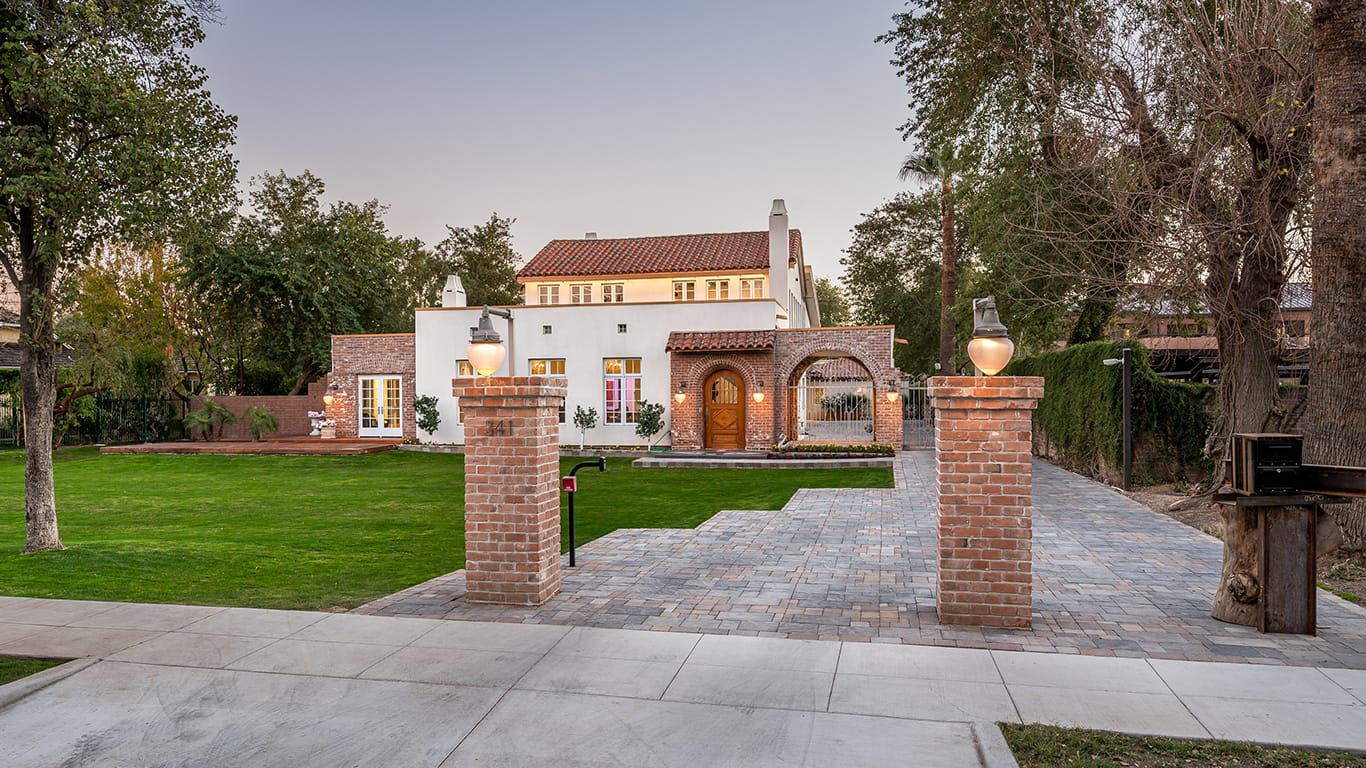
{"x": 580, "y": 294}
{"x": 612, "y": 293}
{"x": 549, "y": 294}
{"x": 463, "y": 369}
{"x": 752, "y": 288}
{"x": 718, "y": 289}
{"x": 621, "y": 389}
{"x": 685, "y": 290}
{"x": 548, "y": 366}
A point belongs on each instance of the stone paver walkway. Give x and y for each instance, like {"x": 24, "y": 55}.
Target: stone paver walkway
{"x": 1112, "y": 578}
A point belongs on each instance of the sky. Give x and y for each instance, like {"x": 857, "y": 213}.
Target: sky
{"x": 621, "y": 117}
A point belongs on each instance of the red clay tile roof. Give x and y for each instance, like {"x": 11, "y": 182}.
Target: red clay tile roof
{"x": 841, "y": 369}
{"x": 718, "y": 341}
{"x": 657, "y": 255}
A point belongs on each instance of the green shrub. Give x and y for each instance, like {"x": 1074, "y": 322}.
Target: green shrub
{"x": 1079, "y": 421}
{"x": 259, "y": 421}
{"x": 649, "y": 420}
{"x": 428, "y": 419}
{"x": 209, "y": 420}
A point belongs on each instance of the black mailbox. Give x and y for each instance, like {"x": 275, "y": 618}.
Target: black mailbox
{"x": 1267, "y": 464}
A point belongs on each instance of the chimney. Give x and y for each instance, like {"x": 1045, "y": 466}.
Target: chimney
{"x": 453, "y": 295}
{"x": 590, "y": 236}
{"x": 778, "y": 252}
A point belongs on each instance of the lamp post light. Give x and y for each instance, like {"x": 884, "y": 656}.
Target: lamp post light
{"x": 486, "y": 351}
{"x": 990, "y": 348}
{"x": 1125, "y": 360}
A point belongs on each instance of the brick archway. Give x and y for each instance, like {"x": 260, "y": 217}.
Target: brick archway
{"x": 871, "y": 347}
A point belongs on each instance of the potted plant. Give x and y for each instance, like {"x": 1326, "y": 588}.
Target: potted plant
{"x": 649, "y": 422}
{"x": 327, "y": 429}
{"x": 314, "y": 418}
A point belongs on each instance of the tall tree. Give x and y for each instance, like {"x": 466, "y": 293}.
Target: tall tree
{"x": 1335, "y": 421}
{"x": 937, "y": 166}
{"x": 106, "y": 130}
{"x": 483, "y": 257}
{"x": 833, "y": 303}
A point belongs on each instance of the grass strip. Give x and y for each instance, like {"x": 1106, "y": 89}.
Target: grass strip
{"x": 12, "y": 669}
{"x": 1045, "y": 746}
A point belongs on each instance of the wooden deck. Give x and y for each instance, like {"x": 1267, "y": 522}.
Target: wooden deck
{"x": 284, "y": 446}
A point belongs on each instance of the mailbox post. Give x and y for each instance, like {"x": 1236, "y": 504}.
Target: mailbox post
{"x": 570, "y": 485}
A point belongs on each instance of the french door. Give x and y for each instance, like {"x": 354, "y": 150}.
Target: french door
{"x": 381, "y": 411}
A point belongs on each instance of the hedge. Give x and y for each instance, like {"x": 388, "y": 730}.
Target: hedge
{"x": 1079, "y": 422}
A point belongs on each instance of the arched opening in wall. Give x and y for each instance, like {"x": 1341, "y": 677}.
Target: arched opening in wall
{"x": 830, "y": 400}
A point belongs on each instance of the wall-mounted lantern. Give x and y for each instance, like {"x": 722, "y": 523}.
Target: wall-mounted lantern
{"x": 990, "y": 348}
{"x": 893, "y": 392}
{"x": 680, "y": 395}
{"x": 759, "y": 392}
{"x": 330, "y": 395}
{"x": 486, "y": 351}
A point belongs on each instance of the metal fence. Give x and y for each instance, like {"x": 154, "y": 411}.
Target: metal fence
{"x": 839, "y": 411}
{"x": 917, "y": 416}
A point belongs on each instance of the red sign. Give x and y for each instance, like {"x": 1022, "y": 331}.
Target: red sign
{"x": 569, "y": 484}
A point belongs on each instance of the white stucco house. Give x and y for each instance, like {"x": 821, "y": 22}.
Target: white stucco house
{"x": 714, "y": 317}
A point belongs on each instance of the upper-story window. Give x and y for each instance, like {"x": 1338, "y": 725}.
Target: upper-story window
{"x": 613, "y": 292}
{"x": 580, "y": 294}
{"x": 752, "y": 288}
{"x": 685, "y": 290}
{"x": 550, "y": 294}
{"x": 718, "y": 289}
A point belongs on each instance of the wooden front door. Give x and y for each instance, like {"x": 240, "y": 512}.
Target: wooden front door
{"x": 725, "y": 410}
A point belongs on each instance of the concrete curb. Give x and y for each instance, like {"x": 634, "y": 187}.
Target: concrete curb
{"x": 12, "y": 693}
{"x": 992, "y": 748}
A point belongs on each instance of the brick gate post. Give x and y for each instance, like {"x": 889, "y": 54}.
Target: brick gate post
{"x": 512, "y": 495}
{"x": 982, "y": 450}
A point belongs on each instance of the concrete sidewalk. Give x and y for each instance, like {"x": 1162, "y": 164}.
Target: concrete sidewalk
{"x": 206, "y": 686}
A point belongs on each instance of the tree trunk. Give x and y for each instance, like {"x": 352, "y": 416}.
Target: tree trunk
{"x": 1335, "y": 419}
{"x": 948, "y": 280}
{"x": 1239, "y": 590}
{"x": 38, "y": 381}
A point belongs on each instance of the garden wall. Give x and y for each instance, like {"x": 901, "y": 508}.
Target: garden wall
{"x": 291, "y": 410}
{"x": 1079, "y": 421}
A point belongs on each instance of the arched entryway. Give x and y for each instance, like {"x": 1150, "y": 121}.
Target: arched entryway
{"x": 724, "y": 410}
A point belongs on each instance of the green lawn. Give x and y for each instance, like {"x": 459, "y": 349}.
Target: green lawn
{"x": 1043, "y": 746}
{"x": 310, "y": 532}
{"x": 13, "y": 669}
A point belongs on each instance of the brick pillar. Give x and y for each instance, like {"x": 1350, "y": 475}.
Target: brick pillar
{"x": 512, "y": 495}
{"x": 982, "y": 459}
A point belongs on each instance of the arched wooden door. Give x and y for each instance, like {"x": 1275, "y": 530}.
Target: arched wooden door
{"x": 725, "y": 410}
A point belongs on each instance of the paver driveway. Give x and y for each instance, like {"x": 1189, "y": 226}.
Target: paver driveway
{"x": 1111, "y": 578}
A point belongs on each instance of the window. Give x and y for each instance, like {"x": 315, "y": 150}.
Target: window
{"x": 718, "y": 289}
{"x": 580, "y": 294}
{"x": 621, "y": 389}
{"x": 752, "y": 288}
{"x": 547, "y": 329}
{"x": 462, "y": 368}
{"x": 621, "y": 327}
{"x": 550, "y": 294}
{"x": 685, "y": 290}
{"x": 549, "y": 367}
{"x": 612, "y": 292}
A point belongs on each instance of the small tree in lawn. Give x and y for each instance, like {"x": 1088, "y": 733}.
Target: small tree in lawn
{"x": 649, "y": 421}
{"x": 585, "y": 419}
{"x": 428, "y": 418}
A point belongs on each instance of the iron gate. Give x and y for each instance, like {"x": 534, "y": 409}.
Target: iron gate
{"x": 917, "y": 416}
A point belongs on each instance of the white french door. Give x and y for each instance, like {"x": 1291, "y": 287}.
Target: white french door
{"x": 381, "y": 411}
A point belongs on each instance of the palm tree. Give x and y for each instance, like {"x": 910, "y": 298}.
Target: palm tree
{"x": 928, "y": 167}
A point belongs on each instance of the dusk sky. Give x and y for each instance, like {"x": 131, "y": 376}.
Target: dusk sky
{"x": 625, "y": 118}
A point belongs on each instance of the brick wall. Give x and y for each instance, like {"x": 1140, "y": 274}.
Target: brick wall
{"x": 512, "y": 497}
{"x": 291, "y": 411}
{"x": 795, "y": 349}
{"x": 686, "y": 428}
{"x": 984, "y": 478}
{"x": 391, "y": 354}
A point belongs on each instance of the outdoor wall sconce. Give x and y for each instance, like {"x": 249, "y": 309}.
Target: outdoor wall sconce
{"x": 759, "y": 392}
{"x": 486, "y": 351}
{"x": 680, "y": 395}
{"x": 892, "y": 393}
{"x": 990, "y": 348}
{"x": 331, "y": 394}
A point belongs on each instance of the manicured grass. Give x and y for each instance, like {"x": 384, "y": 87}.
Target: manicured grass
{"x": 13, "y": 669}
{"x": 1042, "y": 746}
{"x": 313, "y": 532}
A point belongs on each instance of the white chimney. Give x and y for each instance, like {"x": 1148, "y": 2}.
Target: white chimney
{"x": 453, "y": 295}
{"x": 590, "y": 236}
{"x": 778, "y": 252}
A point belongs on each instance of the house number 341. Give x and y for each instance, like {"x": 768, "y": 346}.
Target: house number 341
{"x": 500, "y": 428}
